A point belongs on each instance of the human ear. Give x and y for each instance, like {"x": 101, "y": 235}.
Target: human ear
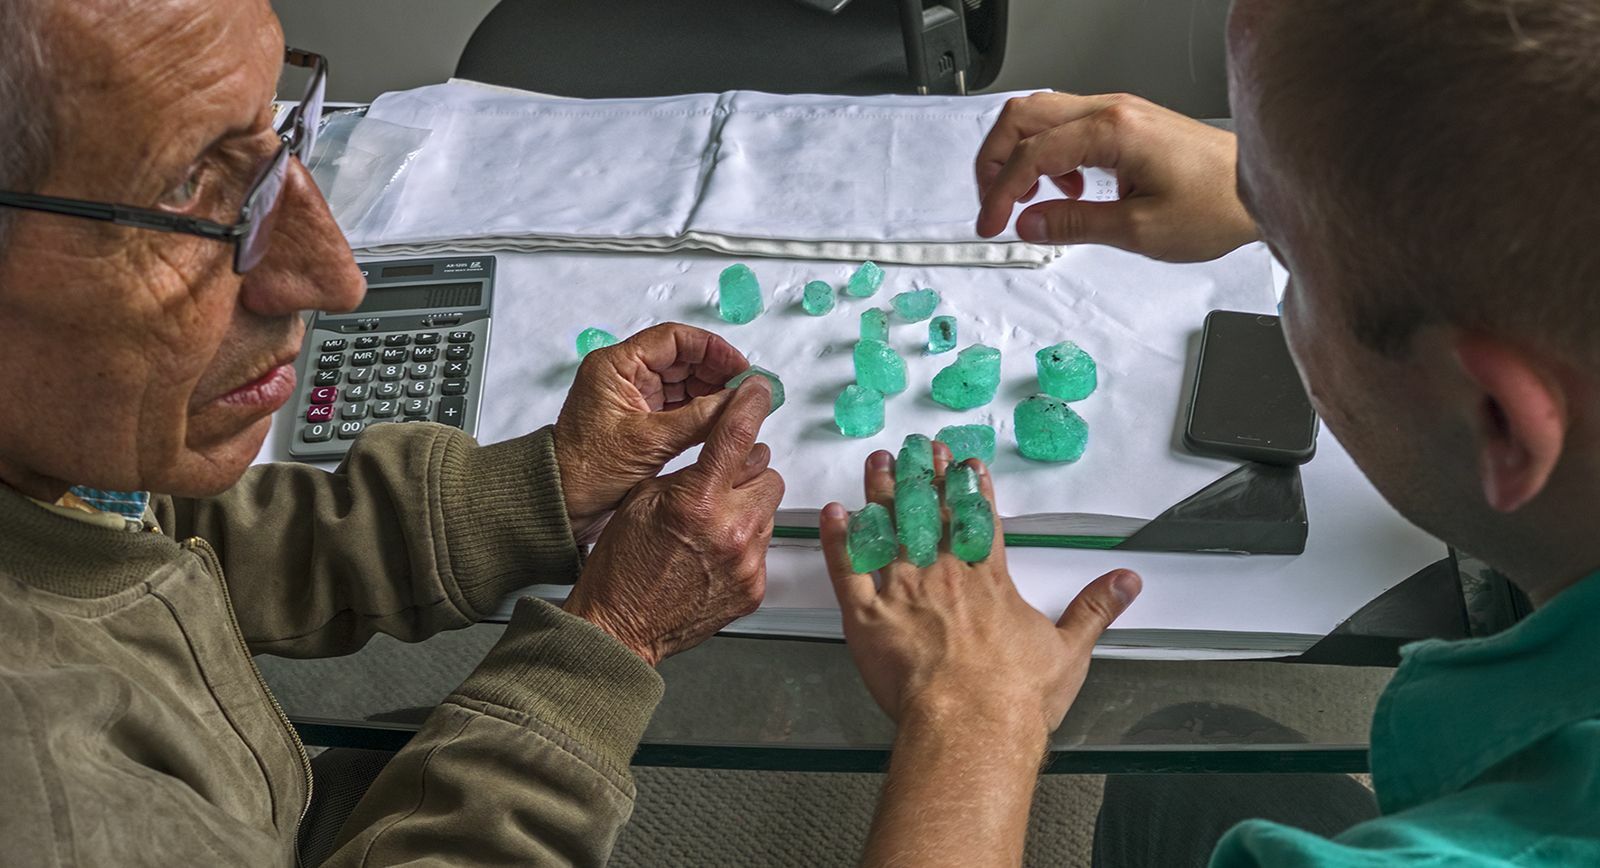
{"x": 1521, "y": 420}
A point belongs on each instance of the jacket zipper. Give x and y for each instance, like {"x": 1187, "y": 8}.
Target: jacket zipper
{"x": 214, "y": 564}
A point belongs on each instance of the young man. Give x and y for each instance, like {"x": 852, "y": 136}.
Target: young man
{"x": 142, "y": 563}
{"x": 1424, "y": 170}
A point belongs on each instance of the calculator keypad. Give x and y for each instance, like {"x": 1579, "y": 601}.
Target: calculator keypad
{"x": 398, "y": 377}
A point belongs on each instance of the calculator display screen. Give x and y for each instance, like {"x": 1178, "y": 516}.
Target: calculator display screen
{"x": 431, "y": 295}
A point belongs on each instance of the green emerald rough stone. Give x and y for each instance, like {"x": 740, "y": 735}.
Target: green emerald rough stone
{"x": 1048, "y": 430}
{"x": 879, "y": 367}
{"x": 915, "y": 305}
{"x": 817, "y": 298}
{"x": 941, "y": 334}
{"x": 1065, "y": 371}
{"x": 772, "y": 380}
{"x": 870, "y": 540}
{"x": 969, "y": 381}
{"x": 971, "y": 517}
{"x": 738, "y": 295}
{"x": 865, "y": 281}
{"x": 918, "y": 520}
{"x": 858, "y": 411}
{"x": 968, "y": 441}
{"x": 591, "y": 339}
{"x": 915, "y": 461}
{"x": 875, "y": 324}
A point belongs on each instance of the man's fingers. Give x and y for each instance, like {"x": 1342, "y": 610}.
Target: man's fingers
{"x": 853, "y": 589}
{"x": 734, "y": 432}
{"x": 1024, "y": 117}
{"x": 673, "y": 352}
{"x": 1097, "y": 605}
{"x": 1057, "y": 151}
{"x": 1069, "y": 221}
{"x": 878, "y": 481}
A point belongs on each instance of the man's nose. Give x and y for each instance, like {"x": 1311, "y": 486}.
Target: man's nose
{"x": 308, "y": 265}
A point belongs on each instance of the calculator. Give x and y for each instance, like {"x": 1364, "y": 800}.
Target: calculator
{"x": 412, "y": 352}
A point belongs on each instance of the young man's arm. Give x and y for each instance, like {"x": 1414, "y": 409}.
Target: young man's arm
{"x": 975, "y": 679}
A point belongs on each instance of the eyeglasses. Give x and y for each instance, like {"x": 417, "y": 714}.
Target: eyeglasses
{"x": 251, "y": 233}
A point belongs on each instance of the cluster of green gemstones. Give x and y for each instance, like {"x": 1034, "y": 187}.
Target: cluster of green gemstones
{"x": 874, "y": 538}
{"x": 1047, "y": 429}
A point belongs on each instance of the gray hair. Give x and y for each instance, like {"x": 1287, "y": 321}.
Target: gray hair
{"x": 26, "y": 115}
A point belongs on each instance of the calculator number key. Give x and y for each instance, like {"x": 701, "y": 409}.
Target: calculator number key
{"x": 357, "y": 410}
{"x": 357, "y": 393}
{"x": 391, "y": 372}
{"x": 388, "y": 390}
{"x": 317, "y": 433}
{"x": 418, "y": 407}
{"x": 359, "y": 375}
{"x": 421, "y": 371}
{"x": 348, "y": 430}
{"x": 419, "y": 389}
{"x": 385, "y": 408}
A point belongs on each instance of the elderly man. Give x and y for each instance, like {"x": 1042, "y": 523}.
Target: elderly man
{"x": 145, "y": 345}
{"x": 1425, "y": 171}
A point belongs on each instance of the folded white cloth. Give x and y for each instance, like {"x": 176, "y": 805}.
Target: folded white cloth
{"x": 887, "y": 178}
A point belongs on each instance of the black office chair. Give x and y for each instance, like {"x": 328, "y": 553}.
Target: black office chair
{"x": 615, "y": 48}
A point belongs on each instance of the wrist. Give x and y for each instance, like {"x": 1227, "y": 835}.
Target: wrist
{"x": 576, "y": 605}
{"x": 974, "y": 713}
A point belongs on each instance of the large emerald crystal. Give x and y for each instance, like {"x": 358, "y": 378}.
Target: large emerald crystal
{"x": 1065, "y": 371}
{"x": 865, "y": 281}
{"x": 591, "y": 339}
{"x": 1048, "y": 430}
{"x": 915, "y": 305}
{"x": 915, "y": 461}
{"x": 969, "y": 381}
{"x": 875, "y": 324}
{"x": 738, "y": 294}
{"x": 772, "y": 380}
{"x": 916, "y": 502}
{"x": 817, "y": 298}
{"x": 941, "y": 334}
{"x": 968, "y": 441}
{"x": 870, "y": 540}
{"x": 879, "y": 367}
{"x": 971, "y": 518}
{"x": 858, "y": 411}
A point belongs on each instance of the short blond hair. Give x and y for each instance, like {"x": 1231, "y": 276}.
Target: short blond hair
{"x": 1449, "y": 150}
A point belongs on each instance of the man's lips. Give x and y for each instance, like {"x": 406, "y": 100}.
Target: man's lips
{"x": 268, "y": 391}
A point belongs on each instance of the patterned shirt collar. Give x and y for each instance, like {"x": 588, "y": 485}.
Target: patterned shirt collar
{"x": 130, "y": 505}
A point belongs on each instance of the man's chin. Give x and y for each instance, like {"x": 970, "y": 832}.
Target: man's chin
{"x": 214, "y": 468}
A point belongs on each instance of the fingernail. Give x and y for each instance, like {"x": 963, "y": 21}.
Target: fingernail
{"x": 1030, "y": 227}
{"x": 833, "y": 512}
{"x": 1127, "y": 586}
{"x": 757, "y": 383}
{"x": 878, "y": 460}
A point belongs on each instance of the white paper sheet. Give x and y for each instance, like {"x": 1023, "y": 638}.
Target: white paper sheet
{"x": 1134, "y": 315}
{"x": 821, "y": 177}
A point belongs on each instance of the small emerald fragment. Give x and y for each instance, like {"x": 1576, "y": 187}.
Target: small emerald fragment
{"x": 879, "y": 367}
{"x": 870, "y": 540}
{"x": 915, "y": 305}
{"x": 591, "y": 339}
{"x": 1049, "y": 430}
{"x": 941, "y": 334}
{"x": 858, "y": 411}
{"x": 817, "y": 298}
{"x": 875, "y": 324}
{"x": 1066, "y": 371}
{"x": 971, "y": 380}
{"x": 738, "y": 295}
{"x": 772, "y": 380}
{"x": 865, "y": 281}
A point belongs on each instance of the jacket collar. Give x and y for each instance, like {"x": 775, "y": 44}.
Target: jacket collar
{"x": 73, "y": 558}
{"x": 1456, "y": 709}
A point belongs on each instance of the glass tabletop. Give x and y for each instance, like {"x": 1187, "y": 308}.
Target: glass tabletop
{"x": 790, "y": 704}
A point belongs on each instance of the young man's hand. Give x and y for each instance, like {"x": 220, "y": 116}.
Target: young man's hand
{"x": 956, "y": 640}
{"x": 1176, "y": 177}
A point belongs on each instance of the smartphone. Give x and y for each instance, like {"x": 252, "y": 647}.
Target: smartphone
{"x": 1247, "y": 400}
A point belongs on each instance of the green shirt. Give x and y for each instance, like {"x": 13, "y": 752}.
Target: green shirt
{"x": 1484, "y": 752}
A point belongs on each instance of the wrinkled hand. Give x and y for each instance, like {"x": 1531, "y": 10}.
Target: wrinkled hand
{"x": 686, "y": 553}
{"x": 634, "y": 407}
{"x": 1176, "y": 177}
{"x": 956, "y": 639}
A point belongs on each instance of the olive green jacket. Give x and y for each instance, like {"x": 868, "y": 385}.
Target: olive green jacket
{"x": 135, "y": 729}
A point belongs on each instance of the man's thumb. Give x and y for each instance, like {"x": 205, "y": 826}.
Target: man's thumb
{"x": 678, "y": 430}
{"x": 1098, "y": 604}
{"x": 1073, "y": 221}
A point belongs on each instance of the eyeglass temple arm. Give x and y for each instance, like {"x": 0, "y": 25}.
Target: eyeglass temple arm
{"x": 122, "y": 215}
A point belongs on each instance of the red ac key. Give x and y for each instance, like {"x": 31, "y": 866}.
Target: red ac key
{"x": 320, "y": 413}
